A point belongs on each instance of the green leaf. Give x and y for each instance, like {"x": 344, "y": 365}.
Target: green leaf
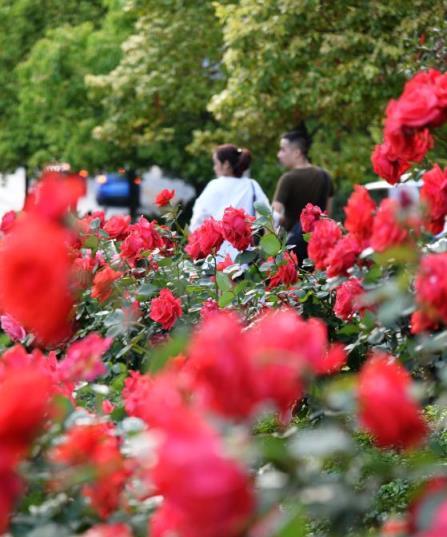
{"x": 223, "y": 282}
{"x": 294, "y": 526}
{"x": 270, "y": 244}
{"x": 307, "y": 236}
{"x": 246, "y": 257}
{"x": 161, "y": 354}
{"x": 262, "y": 209}
{"x": 91, "y": 242}
{"x": 348, "y": 330}
{"x": 226, "y": 298}
{"x": 146, "y": 290}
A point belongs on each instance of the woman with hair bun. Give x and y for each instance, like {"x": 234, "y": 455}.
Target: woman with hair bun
{"x": 230, "y": 189}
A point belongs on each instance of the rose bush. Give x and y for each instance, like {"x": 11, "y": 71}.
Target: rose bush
{"x": 157, "y": 390}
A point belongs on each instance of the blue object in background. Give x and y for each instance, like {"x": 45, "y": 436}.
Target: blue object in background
{"x": 113, "y": 190}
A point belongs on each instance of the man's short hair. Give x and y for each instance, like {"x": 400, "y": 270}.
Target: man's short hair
{"x": 299, "y": 138}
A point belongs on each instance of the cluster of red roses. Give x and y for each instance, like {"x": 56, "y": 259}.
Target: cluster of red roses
{"x": 235, "y": 227}
{"x": 233, "y": 373}
{"x": 394, "y": 223}
{"x": 407, "y": 137}
{"x": 93, "y": 447}
{"x": 28, "y": 384}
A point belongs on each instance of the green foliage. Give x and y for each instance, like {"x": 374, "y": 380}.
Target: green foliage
{"x": 333, "y": 64}
{"x": 158, "y": 93}
{"x": 22, "y": 24}
{"x": 190, "y": 75}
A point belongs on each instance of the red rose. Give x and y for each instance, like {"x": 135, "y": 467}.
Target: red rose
{"x": 25, "y": 400}
{"x": 342, "y": 256}
{"x": 103, "y": 283}
{"x": 441, "y": 90}
{"x": 434, "y": 194}
{"x": 193, "y": 246}
{"x": 359, "y": 211}
{"x": 132, "y": 247}
{"x": 236, "y": 227}
{"x": 55, "y": 195}
{"x": 165, "y": 309}
{"x": 387, "y": 165}
{"x": 324, "y": 237}
{"x": 35, "y": 272}
{"x": 117, "y": 227}
{"x": 210, "y": 236}
{"x": 10, "y": 492}
{"x": 408, "y": 145}
{"x": 164, "y": 197}
{"x": 205, "y": 240}
{"x": 206, "y": 493}
{"x": 149, "y": 233}
{"x": 285, "y": 350}
{"x": 95, "y": 447}
{"x": 418, "y": 106}
{"x": 431, "y": 286}
{"x": 387, "y": 409}
{"x": 309, "y": 215}
{"x": 225, "y": 377}
{"x": 286, "y": 273}
{"x": 387, "y": 230}
{"x": 346, "y": 298}
{"x": 135, "y": 393}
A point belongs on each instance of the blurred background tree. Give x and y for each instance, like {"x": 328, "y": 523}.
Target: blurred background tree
{"x": 162, "y": 81}
{"x": 158, "y": 94}
{"x": 43, "y": 59}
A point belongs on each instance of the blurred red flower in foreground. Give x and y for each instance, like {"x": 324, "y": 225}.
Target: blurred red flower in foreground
{"x": 206, "y": 493}
{"x": 431, "y": 292}
{"x": 434, "y": 194}
{"x": 235, "y": 371}
{"x": 35, "y": 278}
{"x": 83, "y": 358}
{"x": 55, "y": 195}
{"x": 95, "y": 447}
{"x": 387, "y": 410}
{"x": 431, "y": 499}
{"x": 25, "y": 399}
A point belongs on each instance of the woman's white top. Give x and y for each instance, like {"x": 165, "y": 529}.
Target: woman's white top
{"x": 223, "y": 192}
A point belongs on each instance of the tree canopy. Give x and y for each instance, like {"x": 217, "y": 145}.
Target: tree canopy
{"x": 162, "y": 81}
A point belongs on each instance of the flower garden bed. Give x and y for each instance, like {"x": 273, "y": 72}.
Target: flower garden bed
{"x": 149, "y": 388}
